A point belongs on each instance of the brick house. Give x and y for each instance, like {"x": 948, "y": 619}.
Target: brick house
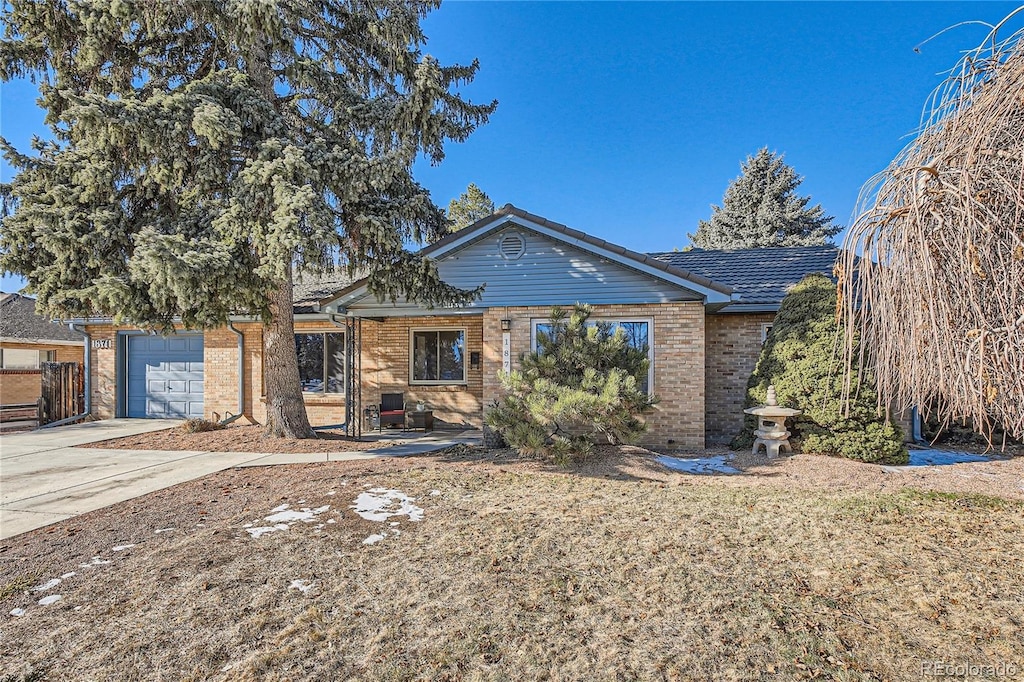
{"x": 702, "y": 315}
{"x": 26, "y": 340}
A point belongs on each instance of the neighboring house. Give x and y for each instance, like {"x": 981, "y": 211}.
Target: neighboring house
{"x": 26, "y": 340}
{"x": 702, "y": 315}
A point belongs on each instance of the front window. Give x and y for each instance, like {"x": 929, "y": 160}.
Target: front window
{"x": 321, "y": 362}
{"x": 637, "y": 336}
{"x": 438, "y": 356}
{"x": 22, "y": 358}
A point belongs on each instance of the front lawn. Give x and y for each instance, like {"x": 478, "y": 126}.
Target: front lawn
{"x": 614, "y": 570}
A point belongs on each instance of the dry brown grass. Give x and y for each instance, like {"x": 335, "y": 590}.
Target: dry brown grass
{"x": 613, "y": 570}
{"x": 243, "y": 438}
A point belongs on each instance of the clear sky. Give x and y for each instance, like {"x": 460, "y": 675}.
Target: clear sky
{"x": 628, "y": 120}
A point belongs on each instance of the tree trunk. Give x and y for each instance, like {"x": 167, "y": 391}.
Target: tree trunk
{"x": 286, "y": 412}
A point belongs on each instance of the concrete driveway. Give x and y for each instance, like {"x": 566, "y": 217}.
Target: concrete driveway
{"x": 45, "y": 479}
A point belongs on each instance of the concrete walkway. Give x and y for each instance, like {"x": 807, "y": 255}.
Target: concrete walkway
{"x": 45, "y": 479}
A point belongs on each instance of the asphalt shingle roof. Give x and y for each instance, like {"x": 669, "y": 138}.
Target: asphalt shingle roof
{"x": 759, "y": 276}
{"x": 18, "y": 320}
{"x": 309, "y": 289}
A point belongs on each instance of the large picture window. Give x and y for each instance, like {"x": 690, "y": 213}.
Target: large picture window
{"x": 438, "y": 356}
{"x": 23, "y": 358}
{"x": 638, "y": 335}
{"x": 321, "y": 362}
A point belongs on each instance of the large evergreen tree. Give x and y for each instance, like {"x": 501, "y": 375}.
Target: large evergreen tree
{"x": 761, "y": 208}
{"x": 204, "y": 151}
{"x": 471, "y": 206}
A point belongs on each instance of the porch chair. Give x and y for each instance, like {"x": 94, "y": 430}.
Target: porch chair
{"x": 392, "y": 409}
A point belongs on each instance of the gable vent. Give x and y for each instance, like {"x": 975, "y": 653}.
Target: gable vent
{"x": 511, "y": 246}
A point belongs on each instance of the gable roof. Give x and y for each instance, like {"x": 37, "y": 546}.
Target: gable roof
{"x": 19, "y": 322}
{"x": 508, "y": 214}
{"x": 760, "y": 276}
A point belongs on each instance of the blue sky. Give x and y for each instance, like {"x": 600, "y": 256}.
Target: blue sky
{"x": 628, "y": 120}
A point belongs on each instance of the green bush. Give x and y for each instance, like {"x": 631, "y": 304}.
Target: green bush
{"x": 583, "y": 382}
{"x": 199, "y": 426}
{"x": 802, "y": 359}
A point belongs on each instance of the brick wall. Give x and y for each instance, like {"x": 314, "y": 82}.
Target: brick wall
{"x": 386, "y": 348}
{"x": 20, "y": 386}
{"x": 733, "y": 347}
{"x": 678, "y": 338}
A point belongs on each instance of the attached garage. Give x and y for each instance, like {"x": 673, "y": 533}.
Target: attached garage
{"x": 165, "y": 376}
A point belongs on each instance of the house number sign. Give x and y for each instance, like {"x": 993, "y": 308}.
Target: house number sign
{"x": 506, "y": 351}
{"x": 101, "y": 343}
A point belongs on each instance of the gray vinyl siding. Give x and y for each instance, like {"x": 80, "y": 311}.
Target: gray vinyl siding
{"x": 548, "y": 273}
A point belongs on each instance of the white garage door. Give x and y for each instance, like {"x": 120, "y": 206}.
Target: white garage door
{"x": 165, "y": 376}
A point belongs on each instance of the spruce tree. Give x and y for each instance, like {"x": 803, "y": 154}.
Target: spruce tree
{"x": 584, "y": 381}
{"x": 471, "y": 206}
{"x": 203, "y": 152}
{"x": 761, "y": 208}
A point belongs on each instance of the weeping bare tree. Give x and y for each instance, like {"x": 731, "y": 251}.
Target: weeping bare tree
{"x": 933, "y": 273}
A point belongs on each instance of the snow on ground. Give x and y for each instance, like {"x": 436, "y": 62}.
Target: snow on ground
{"x": 48, "y": 585}
{"x": 46, "y": 601}
{"x": 925, "y": 458}
{"x": 717, "y": 464}
{"x": 68, "y": 575}
{"x": 302, "y": 585}
{"x": 283, "y": 517}
{"x": 163, "y": 530}
{"x": 120, "y": 548}
{"x": 373, "y": 539}
{"x": 17, "y": 612}
{"x": 96, "y": 561}
{"x": 380, "y": 504}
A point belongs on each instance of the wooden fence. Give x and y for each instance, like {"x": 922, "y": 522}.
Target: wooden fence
{"x": 62, "y": 391}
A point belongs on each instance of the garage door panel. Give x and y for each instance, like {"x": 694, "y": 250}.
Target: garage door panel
{"x": 165, "y": 376}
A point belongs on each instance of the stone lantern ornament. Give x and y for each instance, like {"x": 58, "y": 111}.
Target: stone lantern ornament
{"x": 771, "y": 420}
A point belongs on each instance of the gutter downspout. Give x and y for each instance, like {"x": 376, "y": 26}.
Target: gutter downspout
{"x": 87, "y": 383}
{"x": 241, "y": 377}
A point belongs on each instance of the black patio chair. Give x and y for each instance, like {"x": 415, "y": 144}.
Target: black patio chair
{"x": 392, "y": 409}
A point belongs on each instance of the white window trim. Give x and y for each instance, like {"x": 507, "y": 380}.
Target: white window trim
{"x": 613, "y": 320}
{"x": 765, "y": 328}
{"x": 412, "y": 357}
{"x": 344, "y": 369}
{"x": 39, "y": 357}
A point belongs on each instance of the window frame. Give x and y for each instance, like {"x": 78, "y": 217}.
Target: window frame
{"x": 41, "y": 357}
{"x": 766, "y": 328}
{"x": 413, "y": 381}
{"x": 611, "y": 320}
{"x": 344, "y": 369}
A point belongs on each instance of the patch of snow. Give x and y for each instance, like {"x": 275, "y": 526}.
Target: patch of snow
{"x": 163, "y": 530}
{"x": 48, "y": 585}
{"x": 373, "y": 539}
{"x": 332, "y": 492}
{"x": 331, "y": 521}
{"x": 927, "y": 458}
{"x": 435, "y": 493}
{"x": 281, "y": 508}
{"x": 200, "y": 525}
{"x": 305, "y": 514}
{"x": 263, "y": 530}
{"x": 96, "y": 561}
{"x": 46, "y": 601}
{"x": 248, "y": 525}
{"x": 302, "y": 585}
{"x": 120, "y": 548}
{"x": 301, "y": 502}
{"x": 226, "y": 668}
{"x": 717, "y": 464}
{"x": 380, "y": 504}
{"x": 17, "y": 612}
{"x": 71, "y": 574}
